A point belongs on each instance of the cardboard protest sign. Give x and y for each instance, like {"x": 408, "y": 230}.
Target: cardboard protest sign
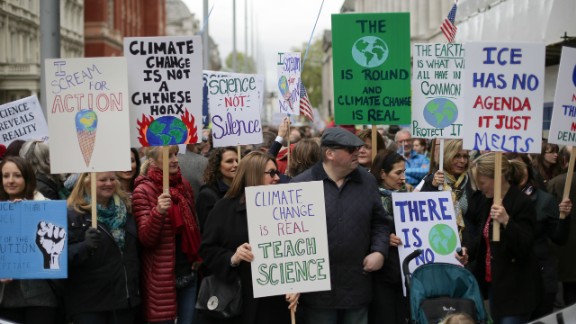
{"x": 503, "y": 96}
{"x": 165, "y": 89}
{"x": 287, "y": 230}
{"x": 563, "y": 125}
{"x": 33, "y": 239}
{"x": 371, "y": 54}
{"x": 234, "y": 105}
{"x": 436, "y": 90}
{"x": 87, "y": 108}
{"x": 22, "y": 119}
{"x": 426, "y": 222}
{"x": 289, "y": 69}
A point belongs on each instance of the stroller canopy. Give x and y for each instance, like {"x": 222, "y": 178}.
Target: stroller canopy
{"x": 443, "y": 280}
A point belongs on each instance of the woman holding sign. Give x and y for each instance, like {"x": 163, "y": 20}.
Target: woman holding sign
{"x": 455, "y": 179}
{"x": 506, "y": 269}
{"x": 103, "y": 264}
{"x": 388, "y": 302}
{"x": 226, "y": 251}
{"x": 170, "y": 238}
{"x": 24, "y": 301}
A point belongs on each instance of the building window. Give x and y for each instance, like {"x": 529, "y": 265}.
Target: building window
{"x": 547, "y": 115}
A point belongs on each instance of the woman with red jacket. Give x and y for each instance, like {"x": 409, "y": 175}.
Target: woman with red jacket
{"x": 169, "y": 234}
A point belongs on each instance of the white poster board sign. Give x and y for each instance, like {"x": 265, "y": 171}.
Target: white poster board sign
{"x": 165, "y": 89}
{"x": 287, "y": 231}
{"x": 87, "y": 108}
{"x": 289, "y": 69}
{"x": 436, "y": 90}
{"x": 503, "y": 96}
{"x": 22, "y": 119}
{"x": 563, "y": 125}
{"x": 427, "y": 222}
{"x": 234, "y": 102}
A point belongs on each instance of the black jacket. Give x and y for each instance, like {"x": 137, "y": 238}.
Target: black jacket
{"x": 207, "y": 198}
{"x": 357, "y": 226}
{"x": 227, "y": 228}
{"x": 101, "y": 279}
{"x": 516, "y": 284}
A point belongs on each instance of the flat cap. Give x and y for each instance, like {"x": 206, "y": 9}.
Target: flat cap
{"x": 337, "y": 136}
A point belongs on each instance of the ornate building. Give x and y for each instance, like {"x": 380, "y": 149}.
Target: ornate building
{"x": 107, "y": 22}
{"x": 20, "y": 44}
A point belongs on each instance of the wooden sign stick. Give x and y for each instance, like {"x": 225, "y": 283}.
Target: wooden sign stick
{"x": 94, "y": 202}
{"x": 569, "y": 176}
{"x": 166, "y": 169}
{"x": 497, "y": 193}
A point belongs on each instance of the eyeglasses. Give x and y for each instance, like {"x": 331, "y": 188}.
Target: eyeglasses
{"x": 349, "y": 149}
{"x": 408, "y": 141}
{"x": 461, "y": 156}
{"x": 273, "y": 173}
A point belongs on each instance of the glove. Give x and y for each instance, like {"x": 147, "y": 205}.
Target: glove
{"x": 92, "y": 238}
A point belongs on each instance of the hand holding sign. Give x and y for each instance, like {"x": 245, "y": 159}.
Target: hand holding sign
{"x": 50, "y": 239}
{"x": 243, "y": 253}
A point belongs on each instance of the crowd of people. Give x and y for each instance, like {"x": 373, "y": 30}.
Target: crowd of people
{"x": 144, "y": 260}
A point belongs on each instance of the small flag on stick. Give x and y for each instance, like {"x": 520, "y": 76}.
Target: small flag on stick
{"x": 305, "y": 106}
{"x": 448, "y": 27}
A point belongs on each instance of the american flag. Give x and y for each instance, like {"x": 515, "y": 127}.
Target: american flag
{"x": 448, "y": 27}
{"x": 305, "y": 106}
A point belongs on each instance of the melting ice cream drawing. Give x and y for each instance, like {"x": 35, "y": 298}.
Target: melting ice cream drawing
{"x": 86, "y": 126}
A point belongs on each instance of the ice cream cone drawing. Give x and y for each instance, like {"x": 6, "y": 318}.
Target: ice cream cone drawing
{"x": 86, "y": 126}
{"x": 285, "y": 90}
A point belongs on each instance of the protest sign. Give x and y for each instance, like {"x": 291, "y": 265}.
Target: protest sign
{"x": 371, "y": 54}
{"x": 22, "y": 119}
{"x": 33, "y": 239}
{"x": 436, "y": 96}
{"x": 503, "y": 91}
{"x": 287, "y": 230}
{"x": 87, "y": 108}
{"x": 563, "y": 125}
{"x": 426, "y": 222}
{"x": 165, "y": 89}
{"x": 234, "y": 105}
{"x": 289, "y": 69}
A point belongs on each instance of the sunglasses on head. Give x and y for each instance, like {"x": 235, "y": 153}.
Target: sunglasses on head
{"x": 272, "y": 173}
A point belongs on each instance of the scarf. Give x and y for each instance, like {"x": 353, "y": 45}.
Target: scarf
{"x": 113, "y": 217}
{"x": 457, "y": 188}
{"x": 182, "y": 216}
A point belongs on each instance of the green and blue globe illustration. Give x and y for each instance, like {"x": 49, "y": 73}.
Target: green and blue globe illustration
{"x": 440, "y": 112}
{"x": 370, "y": 51}
{"x": 442, "y": 239}
{"x": 167, "y": 130}
{"x": 86, "y": 121}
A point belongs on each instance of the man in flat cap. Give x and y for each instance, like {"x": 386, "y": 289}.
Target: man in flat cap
{"x": 357, "y": 231}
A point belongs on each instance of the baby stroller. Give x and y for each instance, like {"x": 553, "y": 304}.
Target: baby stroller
{"x": 436, "y": 290}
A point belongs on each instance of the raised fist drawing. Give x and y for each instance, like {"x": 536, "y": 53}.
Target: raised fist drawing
{"x": 50, "y": 239}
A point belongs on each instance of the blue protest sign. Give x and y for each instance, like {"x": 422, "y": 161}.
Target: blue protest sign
{"x": 33, "y": 239}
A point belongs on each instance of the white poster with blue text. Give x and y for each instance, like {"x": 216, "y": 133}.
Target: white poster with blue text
{"x": 503, "y": 91}
{"x": 427, "y": 222}
{"x": 288, "y": 236}
{"x": 234, "y": 103}
{"x": 289, "y": 69}
{"x": 22, "y": 119}
{"x": 563, "y": 125}
{"x": 33, "y": 239}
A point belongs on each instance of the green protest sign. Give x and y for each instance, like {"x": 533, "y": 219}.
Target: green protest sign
{"x": 371, "y": 61}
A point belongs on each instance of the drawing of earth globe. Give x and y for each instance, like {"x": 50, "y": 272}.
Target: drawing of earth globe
{"x": 166, "y": 130}
{"x": 440, "y": 112}
{"x": 370, "y": 51}
{"x": 442, "y": 239}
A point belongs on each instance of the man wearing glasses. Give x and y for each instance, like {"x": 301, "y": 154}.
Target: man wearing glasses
{"x": 358, "y": 233}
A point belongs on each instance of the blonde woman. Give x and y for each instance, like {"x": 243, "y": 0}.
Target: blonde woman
{"x": 103, "y": 264}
